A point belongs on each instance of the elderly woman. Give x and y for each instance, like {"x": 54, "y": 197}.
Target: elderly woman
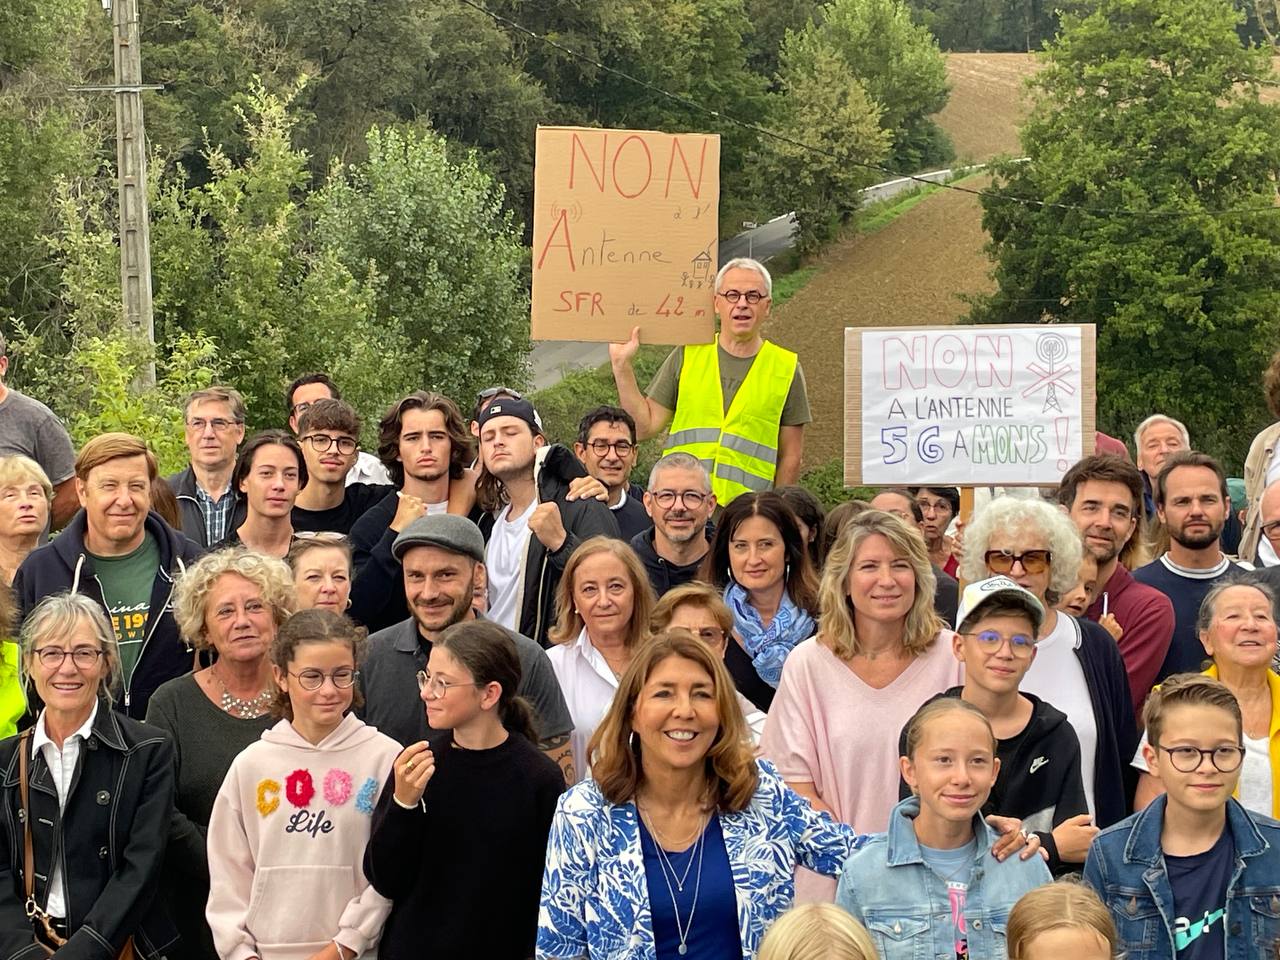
{"x": 229, "y": 604}
{"x": 1077, "y": 666}
{"x": 26, "y": 496}
{"x": 604, "y": 602}
{"x": 322, "y": 571}
{"x": 699, "y": 609}
{"x": 845, "y": 694}
{"x": 87, "y": 796}
{"x": 760, "y": 560}
{"x": 1237, "y": 627}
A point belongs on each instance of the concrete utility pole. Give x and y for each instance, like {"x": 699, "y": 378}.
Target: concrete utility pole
{"x": 131, "y": 160}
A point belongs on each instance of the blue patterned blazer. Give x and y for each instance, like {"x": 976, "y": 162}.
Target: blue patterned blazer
{"x": 595, "y": 902}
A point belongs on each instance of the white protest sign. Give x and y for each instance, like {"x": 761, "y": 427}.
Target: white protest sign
{"x": 1004, "y": 405}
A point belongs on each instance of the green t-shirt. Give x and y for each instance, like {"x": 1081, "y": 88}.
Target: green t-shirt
{"x": 126, "y": 586}
{"x": 665, "y": 388}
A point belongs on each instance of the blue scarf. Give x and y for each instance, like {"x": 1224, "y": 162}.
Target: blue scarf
{"x": 768, "y": 646}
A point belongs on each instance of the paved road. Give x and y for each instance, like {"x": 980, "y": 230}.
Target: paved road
{"x": 552, "y": 359}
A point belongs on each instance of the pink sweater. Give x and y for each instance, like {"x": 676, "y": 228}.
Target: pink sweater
{"x": 286, "y": 844}
{"x": 828, "y": 728}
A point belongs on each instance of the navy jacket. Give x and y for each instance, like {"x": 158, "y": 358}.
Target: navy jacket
{"x": 1114, "y": 777}
{"x": 63, "y": 564}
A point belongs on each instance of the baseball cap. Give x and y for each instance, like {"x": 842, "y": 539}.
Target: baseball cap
{"x": 509, "y": 407}
{"x": 447, "y": 531}
{"x": 985, "y": 593}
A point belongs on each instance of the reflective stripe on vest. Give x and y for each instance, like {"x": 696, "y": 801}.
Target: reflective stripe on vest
{"x": 740, "y": 446}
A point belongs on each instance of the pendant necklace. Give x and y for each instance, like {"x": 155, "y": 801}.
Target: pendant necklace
{"x": 682, "y": 930}
{"x": 239, "y": 707}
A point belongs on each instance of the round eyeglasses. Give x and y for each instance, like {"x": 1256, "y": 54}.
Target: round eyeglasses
{"x": 343, "y": 678}
{"x": 1187, "y": 759}
{"x": 436, "y": 687}
{"x": 83, "y": 657}
{"x": 1020, "y": 644}
{"x": 320, "y": 442}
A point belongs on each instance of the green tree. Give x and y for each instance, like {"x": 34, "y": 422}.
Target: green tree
{"x": 822, "y": 105}
{"x": 770, "y": 22}
{"x": 900, "y": 66}
{"x": 1148, "y": 208}
{"x": 430, "y": 236}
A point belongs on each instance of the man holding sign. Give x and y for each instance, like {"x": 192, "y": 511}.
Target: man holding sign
{"x": 738, "y": 404}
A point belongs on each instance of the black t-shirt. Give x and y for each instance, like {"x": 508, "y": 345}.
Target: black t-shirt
{"x": 1200, "y": 899}
{"x": 359, "y": 498}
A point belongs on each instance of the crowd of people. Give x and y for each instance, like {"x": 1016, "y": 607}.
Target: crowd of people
{"x": 482, "y": 695}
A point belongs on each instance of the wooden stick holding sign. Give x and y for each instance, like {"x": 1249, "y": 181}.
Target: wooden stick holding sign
{"x": 625, "y": 232}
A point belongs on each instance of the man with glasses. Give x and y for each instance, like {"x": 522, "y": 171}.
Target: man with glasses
{"x": 214, "y": 419}
{"x": 739, "y": 404}
{"x": 306, "y": 390}
{"x": 442, "y": 557}
{"x": 329, "y": 431}
{"x": 606, "y": 446}
{"x": 679, "y": 501}
{"x": 1194, "y": 875}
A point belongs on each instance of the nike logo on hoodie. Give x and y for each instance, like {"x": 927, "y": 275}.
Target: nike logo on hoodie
{"x": 1037, "y": 763}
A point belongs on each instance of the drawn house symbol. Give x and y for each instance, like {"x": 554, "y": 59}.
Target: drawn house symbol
{"x": 702, "y": 265}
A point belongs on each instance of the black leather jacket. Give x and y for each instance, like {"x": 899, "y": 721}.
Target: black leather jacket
{"x": 110, "y": 839}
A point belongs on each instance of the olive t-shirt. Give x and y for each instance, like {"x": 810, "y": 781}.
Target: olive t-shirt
{"x": 665, "y": 387}
{"x": 126, "y": 586}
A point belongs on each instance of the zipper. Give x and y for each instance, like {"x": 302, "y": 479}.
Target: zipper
{"x": 154, "y": 623}
{"x": 537, "y": 624}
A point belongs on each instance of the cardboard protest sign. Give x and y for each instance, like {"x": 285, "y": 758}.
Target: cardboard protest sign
{"x": 1007, "y": 405}
{"x": 625, "y": 226}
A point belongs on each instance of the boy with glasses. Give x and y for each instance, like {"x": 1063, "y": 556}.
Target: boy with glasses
{"x": 1039, "y": 780}
{"x": 606, "y": 446}
{"x": 329, "y": 432}
{"x": 1193, "y": 876}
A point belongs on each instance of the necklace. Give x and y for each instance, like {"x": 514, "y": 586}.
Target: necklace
{"x": 239, "y": 707}
{"x": 661, "y": 844}
{"x": 682, "y": 930}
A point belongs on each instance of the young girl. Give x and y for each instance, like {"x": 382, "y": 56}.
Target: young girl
{"x": 292, "y": 819}
{"x": 1064, "y": 919}
{"x": 460, "y": 835}
{"x": 929, "y": 887}
{"x": 817, "y": 931}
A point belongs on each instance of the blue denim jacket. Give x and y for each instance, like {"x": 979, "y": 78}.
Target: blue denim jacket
{"x": 1126, "y": 867}
{"x": 904, "y": 904}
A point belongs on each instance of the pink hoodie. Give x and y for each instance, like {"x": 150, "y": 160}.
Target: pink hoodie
{"x": 286, "y": 844}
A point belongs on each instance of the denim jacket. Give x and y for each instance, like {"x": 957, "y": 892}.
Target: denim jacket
{"x": 1126, "y": 867}
{"x": 595, "y": 902}
{"x": 905, "y": 906}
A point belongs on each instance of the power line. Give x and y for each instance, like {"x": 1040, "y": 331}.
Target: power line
{"x": 1167, "y": 213}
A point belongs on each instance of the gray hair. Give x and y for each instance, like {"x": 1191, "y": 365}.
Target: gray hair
{"x": 57, "y": 616}
{"x": 1209, "y": 605}
{"x": 746, "y": 263}
{"x": 1152, "y": 420}
{"x": 1016, "y": 515}
{"x": 680, "y": 461}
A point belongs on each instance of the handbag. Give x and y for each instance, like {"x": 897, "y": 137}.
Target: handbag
{"x": 46, "y": 936}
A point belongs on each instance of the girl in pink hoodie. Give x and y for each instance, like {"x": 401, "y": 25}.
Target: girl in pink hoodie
{"x": 290, "y": 824}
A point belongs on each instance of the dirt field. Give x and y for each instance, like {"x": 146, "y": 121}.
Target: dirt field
{"x": 987, "y": 102}
{"x": 909, "y": 272}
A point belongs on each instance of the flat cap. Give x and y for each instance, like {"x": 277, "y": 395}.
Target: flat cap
{"x": 447, "y": 531}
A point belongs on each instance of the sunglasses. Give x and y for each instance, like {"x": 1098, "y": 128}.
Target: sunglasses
{"x": 1033, "y": 561}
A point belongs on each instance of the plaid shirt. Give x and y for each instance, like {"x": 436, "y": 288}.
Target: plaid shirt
{"x": 217, "y": 514}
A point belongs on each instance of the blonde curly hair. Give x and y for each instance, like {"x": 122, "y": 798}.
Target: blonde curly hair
{"x": 191, "y": 593}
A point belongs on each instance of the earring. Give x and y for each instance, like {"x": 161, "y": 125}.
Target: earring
{"x": 631, "y": 741}
{"x": 786, "y": 571}
{"x": 348, "y": 606}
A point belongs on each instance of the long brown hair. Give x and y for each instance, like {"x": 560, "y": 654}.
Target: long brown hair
{"x": 389, "y": 427}
{"x": 487, "y": 652}
{"x": 569, "y": 622}
{"x": 800, "y": 580}
{"x": 314, "y": 626}
{"x": 730, "y": 766}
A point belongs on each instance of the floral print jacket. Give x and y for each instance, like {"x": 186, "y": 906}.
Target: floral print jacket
{"x": 595, "y": 902}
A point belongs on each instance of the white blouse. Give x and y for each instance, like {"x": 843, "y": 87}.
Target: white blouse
{"x": 588, "y": 685}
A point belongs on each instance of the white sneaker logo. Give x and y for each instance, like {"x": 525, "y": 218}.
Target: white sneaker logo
{"x": 1037, "y": 763}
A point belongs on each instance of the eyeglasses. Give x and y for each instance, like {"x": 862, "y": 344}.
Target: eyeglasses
{"x": 311, "y": 679}
{"x": 751, "y": 296}
{"x": 320, "y": 536}
{"x": 1033, "y": 561}
{"x": 492, "y": 392}
{"x": 1020, "y": 645}
{"x": 436, "y": 687}
{"x": 83, "y": 657}
{"x": 689, "y": 499}
{"x": 320, "y": 442}
{"x": 601, "y": 447}
{"x": 219, "y": 424}
{"x": 1188, "y": 759}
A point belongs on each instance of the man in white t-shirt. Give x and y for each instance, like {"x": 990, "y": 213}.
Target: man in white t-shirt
{"x": 531, "y": 526}
{"x": 425, "y": 447}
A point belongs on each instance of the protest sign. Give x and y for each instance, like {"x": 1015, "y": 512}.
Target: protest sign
{"x": 625, "y": 226}
{"x": 1009, "y": 405}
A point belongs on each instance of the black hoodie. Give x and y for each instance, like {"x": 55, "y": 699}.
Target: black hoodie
{"x": 663, "y": 574}
{"x": 1039, "y": 780}
{"x": 582, "y": 520}
{"x": 63, "y": 564}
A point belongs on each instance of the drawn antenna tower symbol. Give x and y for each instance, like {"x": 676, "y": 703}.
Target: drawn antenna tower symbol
{"x": 574, "y": 211}
{"x": 1051, "y": 349}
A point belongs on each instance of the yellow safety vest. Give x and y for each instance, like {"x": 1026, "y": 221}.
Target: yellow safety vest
{"x": 740, "y": 447}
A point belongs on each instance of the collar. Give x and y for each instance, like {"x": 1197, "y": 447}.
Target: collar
{"x": 903, "y": 846}
{"x": 594, "y": 658}
{"x": 1211, "y": 573}
{"x": 406, "y": 639}
{"x": 41, "y": 735}
{"x": 1143, "y": 845}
